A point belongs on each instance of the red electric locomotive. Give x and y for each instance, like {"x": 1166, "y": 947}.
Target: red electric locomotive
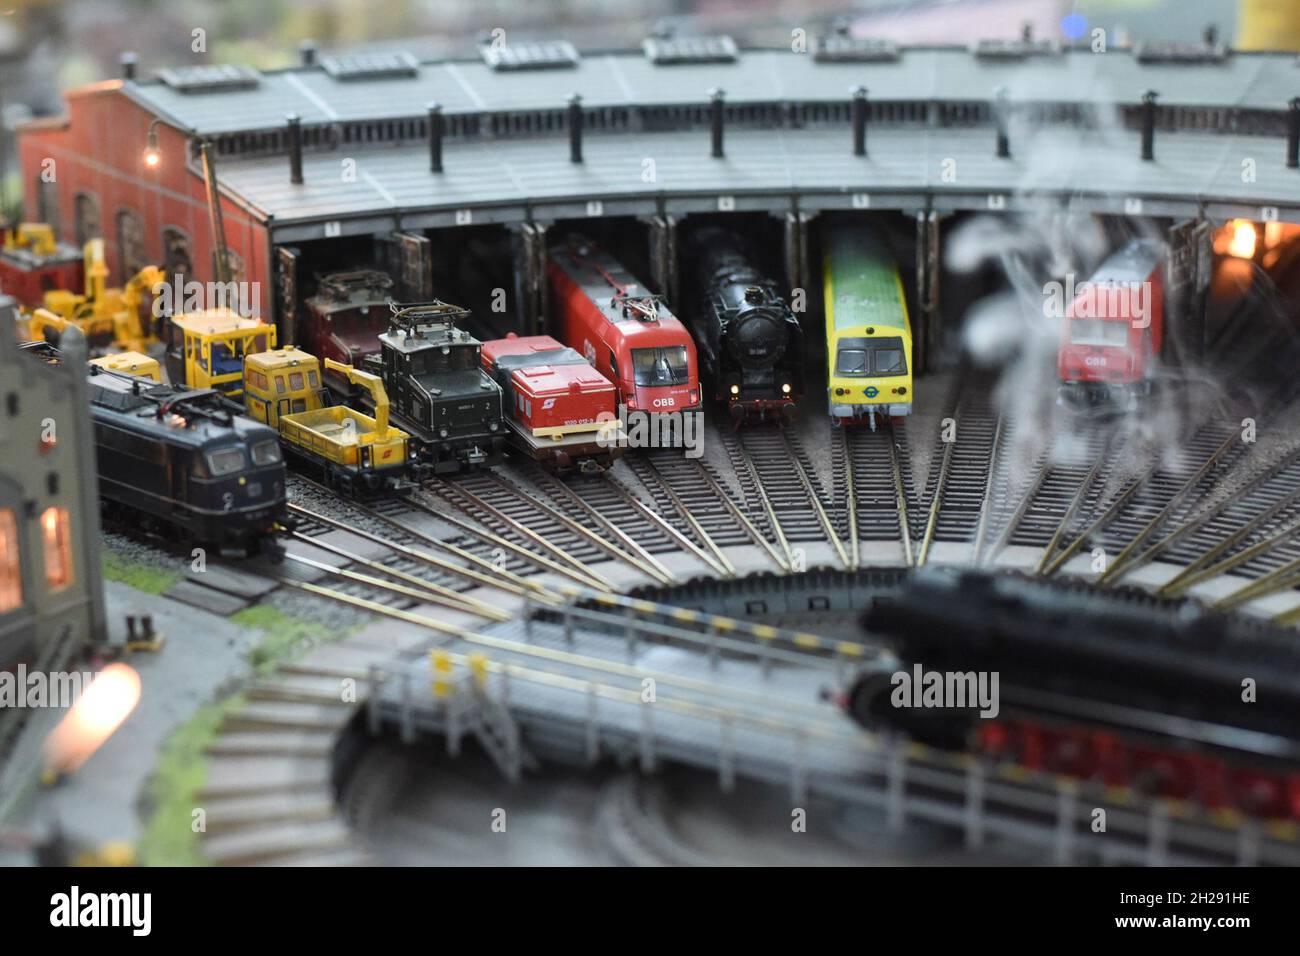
{"x": 344, "y": 319}
{"x": 562, "y": 411}
{"x": 627, "y": 334}
{"x": 1113, "y": 329}
{"x": 33, "y": 262}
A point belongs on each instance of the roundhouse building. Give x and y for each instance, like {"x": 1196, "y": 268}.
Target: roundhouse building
{"x": 384, "y": 148}
{"x": 50, "y": 580}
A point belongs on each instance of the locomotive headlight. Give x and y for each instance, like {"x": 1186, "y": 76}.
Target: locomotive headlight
{"x": 735, "y": 390}
{"x": 442, "y": 433}
{"x": 785, "y": 389}
{"x": 492, "y": 426}
{"x": 901, "y": 390}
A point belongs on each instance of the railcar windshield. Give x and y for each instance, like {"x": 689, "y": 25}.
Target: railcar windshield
{"x": 1101, "y": 332}
{"x": 448, "y": 359}
{"x": 884, "y": 356}
{"x": 225, "y": 461}
{"x": 266, "y": 452}
{"x": 661, "y": 366}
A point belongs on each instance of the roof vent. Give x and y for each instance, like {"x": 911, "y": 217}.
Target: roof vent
{"x": 533, "y": 55}
{"x": 211, "y": 78}
{"x": 395, "y": 65}
{"x": 1014, "y": 49}
{"x": 838, "y": 48}
{"x": 1153, "y": 51}
{"x": 672, "y": 50}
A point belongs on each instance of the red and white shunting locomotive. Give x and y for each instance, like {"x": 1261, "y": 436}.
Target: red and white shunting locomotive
{"x": 562, "y": 411}
{"x": 626, "y": 333}
{"x": 1113, "y": 329}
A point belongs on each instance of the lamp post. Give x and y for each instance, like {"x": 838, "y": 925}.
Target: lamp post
{"x": 152, "y": 159}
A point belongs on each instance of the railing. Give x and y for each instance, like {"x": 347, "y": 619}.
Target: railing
{"x": 683, "y": 117}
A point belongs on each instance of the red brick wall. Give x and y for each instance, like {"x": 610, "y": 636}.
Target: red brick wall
{"x": 98, "y": 149}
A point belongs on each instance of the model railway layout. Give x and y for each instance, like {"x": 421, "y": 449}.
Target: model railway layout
{"x": 693, "y": 433}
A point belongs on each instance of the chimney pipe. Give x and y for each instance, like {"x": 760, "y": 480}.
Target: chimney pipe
{"x": 859, "y": 121}
{"x": 129, "y": 61}
{"x": 294, "y": 135}
{"x": 1149, "y": 125}
{"x": 716, "y": 97}
{"x": 1293, "y": 134}
{"x": 435, "y": 137}
{"x": 575, "y": 128}
{"x": 1001, "y": 109}
{"x": 307, "y": 52}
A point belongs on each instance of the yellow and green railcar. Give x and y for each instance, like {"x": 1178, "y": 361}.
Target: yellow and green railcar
{"x": 868, "y": 333}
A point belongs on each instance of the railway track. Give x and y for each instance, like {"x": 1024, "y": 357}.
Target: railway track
{"x": 869, "y": 468}
{"x": 779, "y": 482}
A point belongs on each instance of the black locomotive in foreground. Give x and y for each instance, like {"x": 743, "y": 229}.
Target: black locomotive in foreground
{"x": 440, "y": 394}
{"x": 186, "y": 463}
{"x": 1168, "y": 701}
{"x": 750, "y": 343}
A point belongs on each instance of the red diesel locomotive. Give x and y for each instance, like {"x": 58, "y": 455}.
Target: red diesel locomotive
{"x": 1113, "y": 329}
{"x": 562, "y": 411}
{"x": 627, "y": 334}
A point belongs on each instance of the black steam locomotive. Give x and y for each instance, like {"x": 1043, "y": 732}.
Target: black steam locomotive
{"x": 440, "y": 394}
{"x": 750, "y": 343}
{"x": 1170, "y": 701}
{"x": 185, "y": 462}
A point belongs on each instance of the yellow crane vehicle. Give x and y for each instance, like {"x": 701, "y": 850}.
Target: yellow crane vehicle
{"x": 207, "y": 348}
{"x": 356, "y": 454}
{"x": 105, "y": 316}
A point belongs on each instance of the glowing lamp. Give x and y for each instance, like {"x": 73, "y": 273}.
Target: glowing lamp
{"x": 1242, "y": 244}
{"x": 98, "y": 712}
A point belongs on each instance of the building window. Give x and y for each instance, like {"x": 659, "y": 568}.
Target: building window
{"x": 176, "y": 253}
{"x": 235, "y": 267}
{"x": 56, "y": 535}
{"x": 11, "y": 569}
{"x": 86, "y": 211}
{"x": 131, "y": 255}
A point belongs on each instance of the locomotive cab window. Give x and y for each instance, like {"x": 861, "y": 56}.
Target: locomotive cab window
{"x": 661, "y": 366}
{"x": 457, "y": 359}
{"x": 225, "y": 461}
{"x": 266, "y": 452}
{"x": 1100, "y": 332}
{"x": 862, "y": 357}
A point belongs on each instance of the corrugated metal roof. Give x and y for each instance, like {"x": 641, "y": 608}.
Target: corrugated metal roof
{"x": 533, "y": 177}
{"x": 1257, "y": 81}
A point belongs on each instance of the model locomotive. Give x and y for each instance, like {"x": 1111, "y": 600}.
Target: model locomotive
{"x": 344, "y": 319}
{"x": 868, "y": 333}
{"x": 562, "y": 412}
{"x": 184, "y": 462}
{"x": 441, "y": 396}
{"x": 1129, "y": 695}
{"x": 1113, "y": 329}
{"x": 627, "y": 334}
{"x": 751, "y": 344}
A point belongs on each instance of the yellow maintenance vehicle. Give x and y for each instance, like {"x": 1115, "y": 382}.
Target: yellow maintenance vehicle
{"x": 131, "y": 363}
{"x": 207, "y": 348}
{"x": 355, "y": 453}
{"x": 105, "y": 316}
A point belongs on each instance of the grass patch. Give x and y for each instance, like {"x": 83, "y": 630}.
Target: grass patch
{"x": 142, "y": 577}
{"x": 179, "y": 774}
{"x": 284, "y": 637}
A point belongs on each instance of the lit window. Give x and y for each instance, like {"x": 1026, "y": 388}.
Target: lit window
{"x": 57, "y": 537}
{"x": 11, "y": 572}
